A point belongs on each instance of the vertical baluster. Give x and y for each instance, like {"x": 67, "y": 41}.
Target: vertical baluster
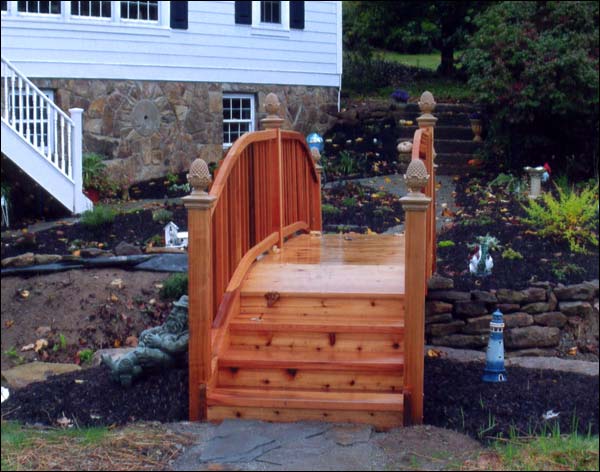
{"x": 5, "y": 111}
{"x": 12, "y": 89}
{"x": 68, "y": 157}
{"x": 36, "y": 133}
{"x": 27, "y": 118}
{"x": 61, "y": 159}
{"x": 20, "y": 105}
{"x": 49, "y": 124}
{"x": 55, "y": 136}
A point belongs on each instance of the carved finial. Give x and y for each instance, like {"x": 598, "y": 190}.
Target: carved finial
{"x": 416, "y": 176}
{"x": 426, "y": 105}
{"x": 272, "y": 106}
{"x": 199, "y": 176}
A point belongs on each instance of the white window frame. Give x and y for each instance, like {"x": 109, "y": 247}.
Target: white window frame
{"x": 252, "y": 119}
{"x": 8, "y": 5}
{"x": 271, "y": 29}
{"x": 163, "y": 22}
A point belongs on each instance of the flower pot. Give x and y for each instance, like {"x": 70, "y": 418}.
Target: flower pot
{"x": 93, "y": 194}
{"x": 476, "y": 127}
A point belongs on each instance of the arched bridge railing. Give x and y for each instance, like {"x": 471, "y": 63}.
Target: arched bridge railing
{"x": 266, "y": 189}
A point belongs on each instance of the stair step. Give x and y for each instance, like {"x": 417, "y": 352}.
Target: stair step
{"x": 441, "y": 132}
{"x": 306, "y": 360}
{"x": 449, "y": 146}
{"x": 306, "y": 399}
{"x": 383, "y": 410}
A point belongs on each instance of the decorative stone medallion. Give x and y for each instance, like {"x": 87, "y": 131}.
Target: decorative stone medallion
{"x": 145, "y": 117}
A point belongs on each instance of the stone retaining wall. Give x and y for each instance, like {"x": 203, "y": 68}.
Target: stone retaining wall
{"x": 544, "y": 319}
{"x": 189, "y": 119}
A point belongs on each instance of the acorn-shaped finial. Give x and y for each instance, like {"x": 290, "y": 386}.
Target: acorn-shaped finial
{"x": 199, "y": 176}
{"x": 416, "y": 176}
{"x": 427, "y": 103}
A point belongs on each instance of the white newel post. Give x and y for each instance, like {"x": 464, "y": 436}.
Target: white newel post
{"x": 80, "y": 201}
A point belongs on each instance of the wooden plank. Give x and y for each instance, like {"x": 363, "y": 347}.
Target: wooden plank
{"x": 382, "y": 420}
{"x": 336, "y": 361}
{"x": 295, "y": 323}
{"x": 332, "y": 341}
{"x": 353, "y": 401}
{"x": 311, "y": 379}
{"x": 312, "y": 278}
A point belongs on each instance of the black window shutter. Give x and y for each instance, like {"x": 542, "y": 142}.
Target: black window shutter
{"x": 297, "y": 15}
{"x": 243, "y": 13}
{"x": 179, "y": 15}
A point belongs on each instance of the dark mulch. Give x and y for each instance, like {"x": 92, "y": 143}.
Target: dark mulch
{"x": 160, "y": 188}
{"x": 135, "y": 228}
{"x": 351, "y": 206}
{"x": 500, "y": 214}
{"x": 455, "y": 398}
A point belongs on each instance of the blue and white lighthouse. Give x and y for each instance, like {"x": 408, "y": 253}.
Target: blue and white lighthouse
{"x": 494, "y": 365}
{"x": 315, "y": 140}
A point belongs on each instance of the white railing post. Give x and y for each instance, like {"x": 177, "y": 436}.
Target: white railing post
{"x": 79, "y": 200}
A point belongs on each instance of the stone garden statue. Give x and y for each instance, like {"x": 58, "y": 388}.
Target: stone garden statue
{"x": 158, "y": 347}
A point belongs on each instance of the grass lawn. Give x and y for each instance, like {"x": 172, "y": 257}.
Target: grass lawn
{"x": 425, "y": 61}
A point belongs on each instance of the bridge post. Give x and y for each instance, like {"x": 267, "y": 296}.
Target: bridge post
{"x": 274, "y": 121}
{"x": 200, "y": 287}
{"x": 415, "y": 205}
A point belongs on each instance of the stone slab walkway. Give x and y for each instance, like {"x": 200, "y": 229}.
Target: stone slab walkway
{"x": 256, "y": 445}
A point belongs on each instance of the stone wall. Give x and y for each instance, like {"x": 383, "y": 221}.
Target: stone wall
{"x": 147, "y": 129}
{"x": 544, "y": 319}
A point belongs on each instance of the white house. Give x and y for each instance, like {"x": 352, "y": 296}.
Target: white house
{"x": 161, "y": 83}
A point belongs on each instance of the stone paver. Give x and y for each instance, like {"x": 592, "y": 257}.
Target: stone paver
{"x": 256, "y": 445}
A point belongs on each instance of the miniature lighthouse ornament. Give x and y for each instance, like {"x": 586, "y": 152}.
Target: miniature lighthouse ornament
{"x": 315, "y": 141}
{"x": 494, "y": 359}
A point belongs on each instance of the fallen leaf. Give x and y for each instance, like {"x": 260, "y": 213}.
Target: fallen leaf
{"x": 573, "y": 351}
{"x": 24, "y": 294}
{"x": 131, "y": 341}
{"x": 40, "y": 344}
{"x": 76, "y": 253}
{"x": 117, "y": 343}
{"x": 117, "y": 283}
{"x": 113, "y": 298}
{"x": 433, "y": 353}
{"x": 9, "y": 323}
{"x": 27, "y": 347}
{"x": 79, "y": 381}
{"x": 387, "y": 180}
{"x": 448, "y": 213}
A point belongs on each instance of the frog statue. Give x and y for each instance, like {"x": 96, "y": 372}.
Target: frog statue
{"x": 158, "y": 347}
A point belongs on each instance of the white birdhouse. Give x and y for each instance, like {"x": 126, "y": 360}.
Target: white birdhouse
{"x": 174, "y": 237}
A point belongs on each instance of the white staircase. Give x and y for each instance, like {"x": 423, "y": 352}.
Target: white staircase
{"x": 42, "y": 139}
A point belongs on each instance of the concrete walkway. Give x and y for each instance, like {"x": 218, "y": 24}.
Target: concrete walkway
{"x": 256, "y": 445}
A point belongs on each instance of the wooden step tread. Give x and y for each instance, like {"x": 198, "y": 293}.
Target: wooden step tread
{"x": 310, "y": 360}
{"x": 305, "y": 399}
{"x": 315, "y": 323}
{"x": 324, "y": 280}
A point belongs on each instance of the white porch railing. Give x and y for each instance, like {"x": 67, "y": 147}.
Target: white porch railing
{"x": 46, "y": 129}
{"x": 28, "y": 111}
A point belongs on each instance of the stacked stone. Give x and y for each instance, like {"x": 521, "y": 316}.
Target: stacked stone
{"x": 538, "y": 319}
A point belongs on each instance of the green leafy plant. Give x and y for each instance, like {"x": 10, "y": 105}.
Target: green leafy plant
{"x": 330, "y": 210}
{"x": 171, "y": 179}
{"x": 347, "y": 163}
{"x": 349, "y": 202}
{"x": 85, "y": 356}
{"x": 162, "y": 215}
{"x": 509, "y": 182}
{"x": 511, "y": 254}
{"x": 564, "y": 271}
{"x": 572, "y": 217}
{"x": 98, "y": 217}
{"x": 14, "y": 355}
{"x": 61, "y": 345}
{"x": 174, "y": 287}
{"x": 446, "y": 243}
{"x": 156, "y": 240}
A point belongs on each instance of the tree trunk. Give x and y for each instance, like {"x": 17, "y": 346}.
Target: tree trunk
{"x": 447, "y": 65}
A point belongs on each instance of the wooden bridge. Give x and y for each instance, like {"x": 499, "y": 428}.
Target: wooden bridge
{"x": 288, "y": 324}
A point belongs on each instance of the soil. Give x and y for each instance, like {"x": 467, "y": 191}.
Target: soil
{"x": 355, "y": 207}
{"x": 455, "y": 398}
{"x": 86, "y": 307}
{"x": 492, "y": 210}
{"x": 136, "y": 227}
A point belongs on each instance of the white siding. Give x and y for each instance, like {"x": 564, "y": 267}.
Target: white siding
{"x": 213, "y": 49}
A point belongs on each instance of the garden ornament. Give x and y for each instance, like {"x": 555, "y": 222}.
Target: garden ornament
{"x": 535, "y": 174}
{"x": 174, "y": 237}
{"x": 481, "y": 263}
{"x": 405, "y": 147}
{"x": 158, "y": 348}
{"x": 494, "y": 359}
{"x": 315, "y": 141}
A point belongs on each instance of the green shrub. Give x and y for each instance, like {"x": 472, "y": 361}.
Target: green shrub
{"x": 162, "y": 215}
{"x": 330, "y": 210}
{"x": 511, "y": 254}
{"x": 85, "y": 356}
{"x": 534, "y": 67}
{"x": 572, "y": 217}
{"x": 446, "y": 243}
{"x": 100, "y": 216}
{"x": 174, "y": 287}
{"x": 349, "y": 202}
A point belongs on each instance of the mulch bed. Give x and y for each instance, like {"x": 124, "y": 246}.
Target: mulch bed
{"x": 135, "y": 228}
{"x": 455, "y": 398}
{"x": 484, "y": 210}
{"x": 351, "y": 206}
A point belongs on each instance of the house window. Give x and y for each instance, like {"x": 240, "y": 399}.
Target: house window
{"x": 32, "y": 112}
{"x": 91, "y": 9}
{"x": 238, "y": 117}
{"x": 270, "y": 12}
{"x": 140, "y": 11}
{"x": 52, "y": 8}
{"x": 4, "y": 6}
